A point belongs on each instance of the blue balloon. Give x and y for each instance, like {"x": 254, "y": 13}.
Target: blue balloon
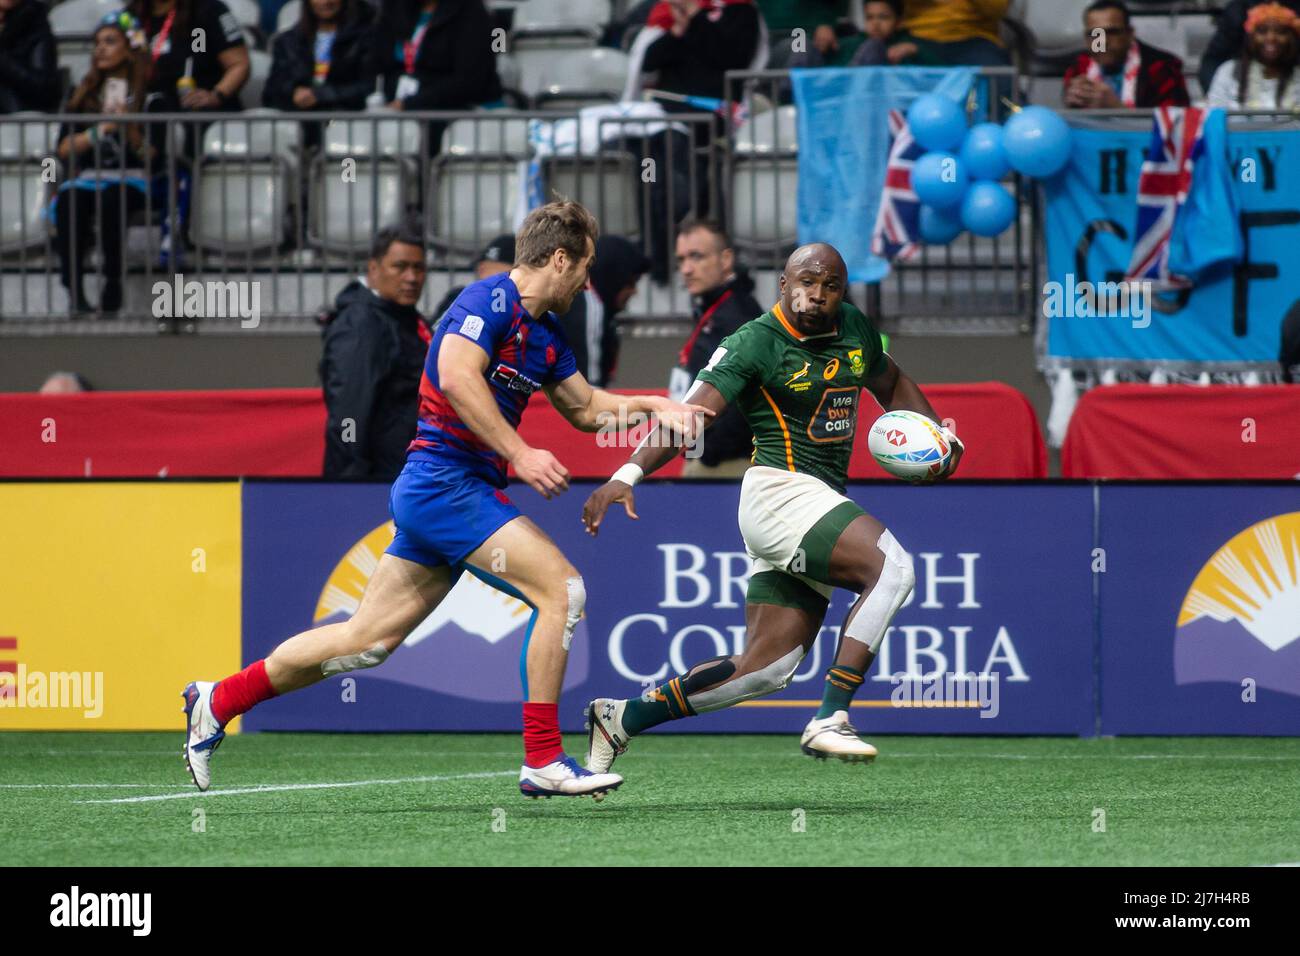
{"x": 1037, "y": 142}
{"x": 940, "y": 226}
{"x": 936, "y": 122}
{"x": 987, "y": 209}
{"x": 983, "y": 154}
{"x": 939, "y": 179}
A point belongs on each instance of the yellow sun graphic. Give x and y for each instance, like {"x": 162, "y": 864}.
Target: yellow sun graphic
{"x": 1253, "y": 579}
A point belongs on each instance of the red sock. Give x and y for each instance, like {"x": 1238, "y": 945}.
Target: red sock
{"x": 542, "y": 743}
{"x": 240, "y": 693}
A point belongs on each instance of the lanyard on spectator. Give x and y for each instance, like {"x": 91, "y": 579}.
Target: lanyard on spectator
{"x": 156, "y": 48}
{"x": 1132, "y": 64}
{"x": 699, "y": 327}
{"x": 412, "y": 46}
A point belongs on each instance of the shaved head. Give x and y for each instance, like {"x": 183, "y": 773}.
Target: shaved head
{"x": 812, "y": 287}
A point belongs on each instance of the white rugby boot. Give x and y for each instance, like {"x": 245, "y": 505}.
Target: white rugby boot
{"x": 606, "y": 738}
{"x": 564, "y": 778}
{"x": 202, "y": 732}
{"x": 834, "y": 736}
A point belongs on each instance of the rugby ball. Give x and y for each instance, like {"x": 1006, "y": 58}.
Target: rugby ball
{"x": 908, "y": 445}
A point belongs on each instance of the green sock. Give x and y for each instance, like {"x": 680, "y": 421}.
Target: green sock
{"x": 841, "y": 684}
{"x": 667, "y": 702}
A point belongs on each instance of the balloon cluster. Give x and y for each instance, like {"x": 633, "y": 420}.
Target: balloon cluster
{"x": 958, "y": 178}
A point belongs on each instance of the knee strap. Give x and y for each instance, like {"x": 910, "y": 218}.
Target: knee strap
{"x": 372, "y": 657}
{"x": 896, "y": 581}
{"x": 577, "y": 603}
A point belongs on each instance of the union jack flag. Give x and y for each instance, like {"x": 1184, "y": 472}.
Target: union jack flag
{"x": 898, "y": 219}
{"x": 1177, "y": 142}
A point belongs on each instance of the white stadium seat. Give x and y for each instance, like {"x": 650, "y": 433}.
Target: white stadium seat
{"x": 345, "y": 216}
{"x": 476, "y": 180}
{"x": 23, "y": 191}
{"x": 245, "y": 183}
{"x": 765, "y": 180}
{"x": 259, "y": 71}
{"x": 246, "y": 12}
{"x": 79, "y": 18}
{"x": 583, "y": 75}
{"x": 288, "y": 15}
{"x": 561, "y": 17}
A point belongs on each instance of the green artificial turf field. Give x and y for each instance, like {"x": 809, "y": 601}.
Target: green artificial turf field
{"x": 435, "y": 799}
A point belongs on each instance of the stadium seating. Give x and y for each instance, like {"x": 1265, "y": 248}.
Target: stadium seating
{"x": 476, "y": 183}
{"x": 386, "y": 172}
{"x": 246, "y": 12}
{"x": 259, "y": 72}
{"x": 607, "y": 184}
{"x": 578, "y": 78}
{"x": 288, "y": 15}
{"x": 244, "y": 184}
{"x": 764, "y": 180}
{"x": 538, "y": 21}
{"x": 23, "y": 147}
{"x": 78, "y": 18}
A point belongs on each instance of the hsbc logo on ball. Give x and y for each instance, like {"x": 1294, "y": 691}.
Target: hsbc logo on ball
{"x": 895, "y": 437}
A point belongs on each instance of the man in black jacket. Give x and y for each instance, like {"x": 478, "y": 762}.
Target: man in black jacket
{"x": 340, "y": 31}
{"x": 29, "y": 67}
{"x": 722, "y": 301}
{"x": 375, "y": 346}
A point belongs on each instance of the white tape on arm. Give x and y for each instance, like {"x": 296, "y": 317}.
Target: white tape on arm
{"x": 629, "y": 474}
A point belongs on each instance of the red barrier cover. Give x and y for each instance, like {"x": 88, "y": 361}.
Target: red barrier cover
{"x": 1184, "y": 431}
{"x": 279, "y": 433}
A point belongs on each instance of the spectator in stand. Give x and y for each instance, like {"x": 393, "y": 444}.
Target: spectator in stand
{"x": 590, "y": 325}
{"x": 498, "y": 257}
{"x": 185, "y": 79}
{"x": 1120, "y": 71}
{"x": 1230, "y": 37}
{"x": 702, "y": 40}
{"x": 881, "y": 43}
{"x": 1263, "y": 77}
{"x": 820, "y": 22}
{"x": 958, "y": 32}
{"x": 436, "y": 54}
{"x": 105, "y": 163}
{"x": 696, "y": 43}
{"x": 325, "y": 61}
{"x": 29, "y": 68}
{"x": 375, "y": 346}
{"x": 722, "y": 300}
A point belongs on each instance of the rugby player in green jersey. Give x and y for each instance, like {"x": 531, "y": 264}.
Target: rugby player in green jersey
{"x": 797, "y": 373}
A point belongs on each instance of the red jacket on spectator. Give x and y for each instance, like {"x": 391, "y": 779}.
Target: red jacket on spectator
{"x": 1159, "y": 82}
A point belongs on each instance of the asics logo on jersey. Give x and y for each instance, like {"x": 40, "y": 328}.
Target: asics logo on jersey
{"x": 512, "y": 379}
{"x": 793, "y": 381}
{"x": 831, "y": 370}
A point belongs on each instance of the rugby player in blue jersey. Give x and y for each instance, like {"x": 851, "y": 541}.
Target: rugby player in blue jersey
{"x": 496, "y": 344}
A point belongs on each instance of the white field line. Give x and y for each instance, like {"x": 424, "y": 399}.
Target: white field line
{"x": 278, "y": 788}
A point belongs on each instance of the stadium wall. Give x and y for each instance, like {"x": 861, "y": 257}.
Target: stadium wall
{"x": 1081, "y": 608}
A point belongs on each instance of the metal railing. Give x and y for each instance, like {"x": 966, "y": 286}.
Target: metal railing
{"x": 292, "y": 204}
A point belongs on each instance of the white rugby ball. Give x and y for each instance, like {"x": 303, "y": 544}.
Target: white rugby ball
{"x": 908, "y": 445}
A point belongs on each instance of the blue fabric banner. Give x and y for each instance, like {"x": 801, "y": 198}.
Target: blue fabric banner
{"x": 844, "y": 146}
{"x": 1244, "y": 204}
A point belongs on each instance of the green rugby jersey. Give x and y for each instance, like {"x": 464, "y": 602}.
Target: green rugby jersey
{"x": 799, "y": 392}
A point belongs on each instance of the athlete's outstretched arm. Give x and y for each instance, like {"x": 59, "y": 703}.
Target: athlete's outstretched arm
{"x": 648, "y": 457}
{"x": 589, "y": 409}
{"x": 895, "y": 391}
{"x": 461, "y": 365}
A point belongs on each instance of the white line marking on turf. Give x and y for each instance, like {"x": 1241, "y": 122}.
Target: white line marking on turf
{"x": 86, "y": 786}
{"x": 275, "y": 788}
